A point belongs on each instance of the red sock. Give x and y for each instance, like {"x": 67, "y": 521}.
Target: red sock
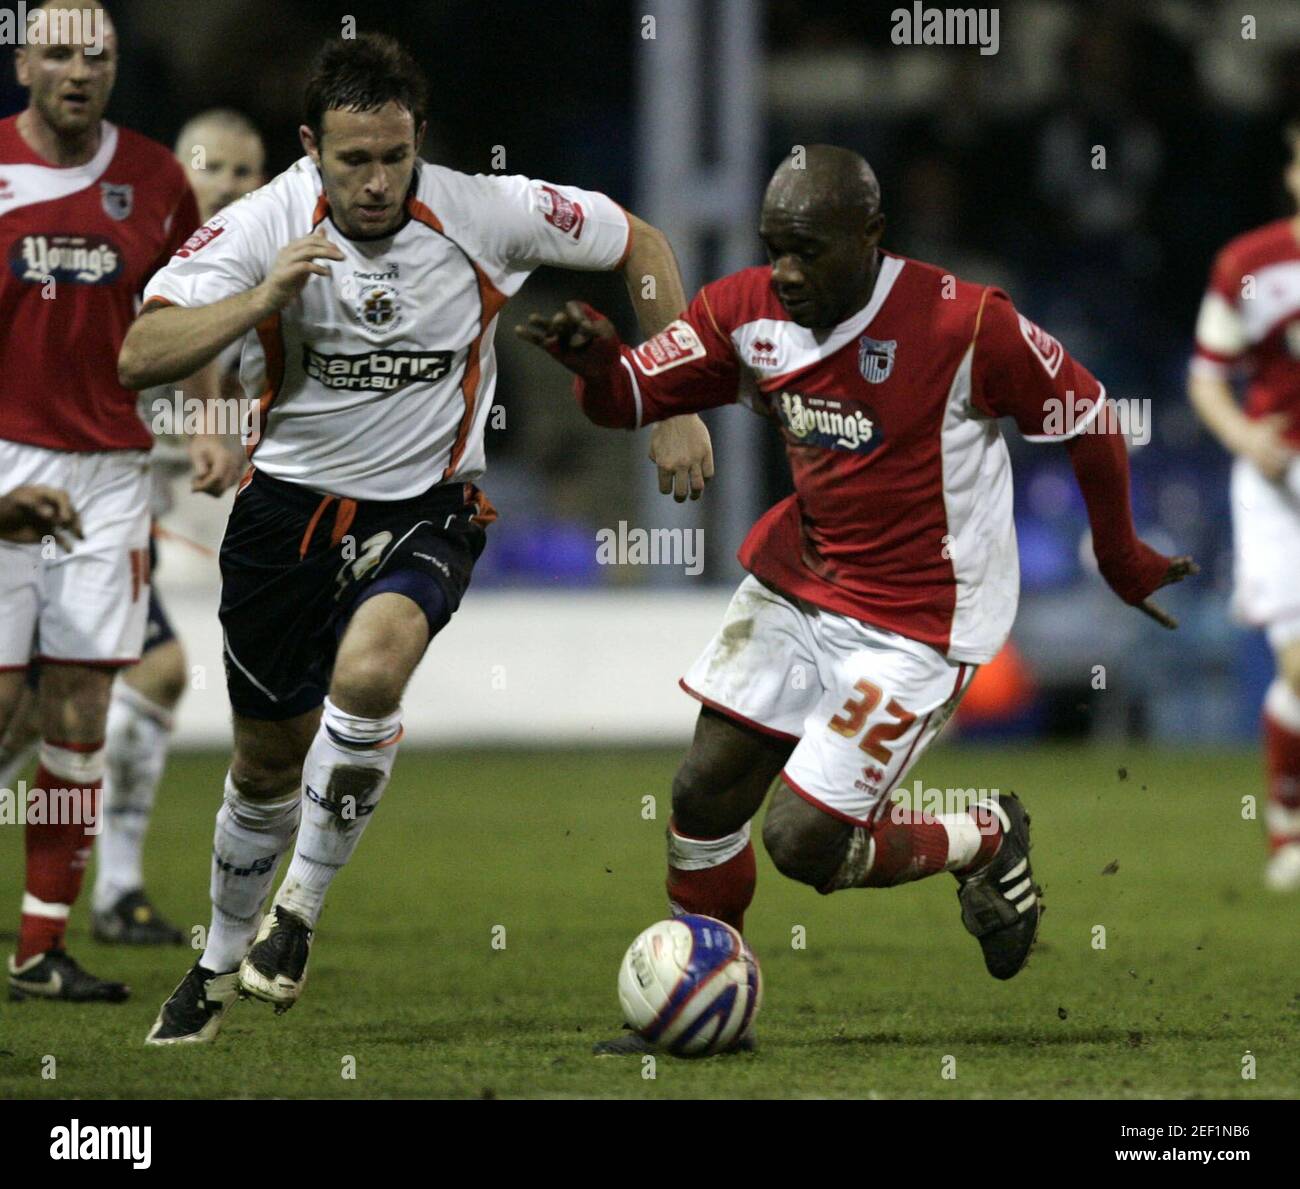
{"x": 911, "y": 846}
{"x": 908, "y": 846}
{"x": 723, "y": 890}
{"x": 1282, "y": 760}
{"x": 57, "y": 855}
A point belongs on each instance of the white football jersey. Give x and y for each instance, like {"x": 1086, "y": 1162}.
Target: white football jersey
{"x": 377, "y": 382}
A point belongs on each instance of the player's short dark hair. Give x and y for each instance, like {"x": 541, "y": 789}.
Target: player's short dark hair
{"x": 363, "y": 74}
{"x": 1291, "y": 134}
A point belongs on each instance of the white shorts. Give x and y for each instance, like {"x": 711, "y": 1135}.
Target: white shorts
{"x": 861, "y": 703}
{"x": 88, "y": 605}
{"x": 1266, "y": 553}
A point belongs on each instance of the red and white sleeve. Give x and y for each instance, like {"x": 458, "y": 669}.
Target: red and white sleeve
{"x": 687, "y": 367}
{"x": 1220, "y": 330}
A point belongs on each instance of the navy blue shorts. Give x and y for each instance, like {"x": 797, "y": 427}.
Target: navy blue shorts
{"x": 295, "y": 563}
{"x": 158, "y": 630}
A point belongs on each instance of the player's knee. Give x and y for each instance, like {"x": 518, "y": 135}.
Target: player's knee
{"x": 368, "y": 684}
{"x": 803, "y": 843}
{"x": 263, "y": 779}
{"x": 160, "y": 675}
{"x": 73, "y": 709}
{"x": 696, "y": 805}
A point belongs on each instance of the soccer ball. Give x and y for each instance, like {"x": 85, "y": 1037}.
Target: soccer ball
{"x": 690, "y": 986}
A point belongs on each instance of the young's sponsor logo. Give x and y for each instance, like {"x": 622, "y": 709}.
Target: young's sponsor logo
{"x": 827, "y": 421}
{"x": 72, "y": 259}
{"x": 676, "y": 344}
{"x": 376, "y": 371}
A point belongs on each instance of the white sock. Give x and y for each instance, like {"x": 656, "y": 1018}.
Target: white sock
{"x": 347, "y": 769}
{"x": 13, "y": 761}
{"x": 136, "y": 740}
{"x": 250, "y": 838}
{"x": 968, "y": 831}
{"x": 695, "y": 854}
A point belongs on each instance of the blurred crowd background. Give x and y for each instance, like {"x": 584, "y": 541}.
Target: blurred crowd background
{"x": 986, "y": 166}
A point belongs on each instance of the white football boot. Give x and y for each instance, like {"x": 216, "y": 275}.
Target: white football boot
{"x": 275, "y": 969}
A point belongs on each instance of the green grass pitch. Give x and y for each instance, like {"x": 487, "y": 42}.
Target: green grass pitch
{"x": 888, "y": 996}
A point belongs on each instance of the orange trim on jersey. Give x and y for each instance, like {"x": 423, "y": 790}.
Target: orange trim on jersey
{"x": 322, "y": 209}
{"x": 155, "y": 303}
{"x": 491, "y": 300}
{"x": 270, "y": 335}
{"x": 422, "y": 214}
{"x": 246, "y": 480}
{"x": 312, "y": 523}
{"x": 484, "y": 512}
{"x": 343, "y": 518}
{"x": 708, "y": 309}
{"x": 979, "y": 314}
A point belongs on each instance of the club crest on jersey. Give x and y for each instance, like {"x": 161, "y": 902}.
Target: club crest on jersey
{"x": 561, "y": 212}
{"x": 378, "y": 306}
{"x": 1050, "y": 353}
{"x": 828, "y": 422}
{"x": 876, "y": 358}
{"x": 118, "y": 200}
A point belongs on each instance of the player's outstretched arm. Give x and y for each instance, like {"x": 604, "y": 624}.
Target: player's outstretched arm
{"x": 1131, "y": 568}
{"x": 585, "y": 341}
{"x": 168, "y": 342}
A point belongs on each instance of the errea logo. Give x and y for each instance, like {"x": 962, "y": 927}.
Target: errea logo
{"x": 762, "y": 353}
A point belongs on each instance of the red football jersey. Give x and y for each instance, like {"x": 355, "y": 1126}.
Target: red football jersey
{"x": 902, "y": 511}
{"x": 78, "y": 245}
{"x": 1250, "y": 318}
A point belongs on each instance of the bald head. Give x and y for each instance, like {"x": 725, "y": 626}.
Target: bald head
{"x": 826, "y": 181}
{"x": 83, "y": 23}
{"x": 821, "y": 225}
{"x": 223, "y": 156}
{"x": 69, "y": 65}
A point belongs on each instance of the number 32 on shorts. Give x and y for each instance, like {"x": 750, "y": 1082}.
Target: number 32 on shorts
{"x": 855, "y": 713}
